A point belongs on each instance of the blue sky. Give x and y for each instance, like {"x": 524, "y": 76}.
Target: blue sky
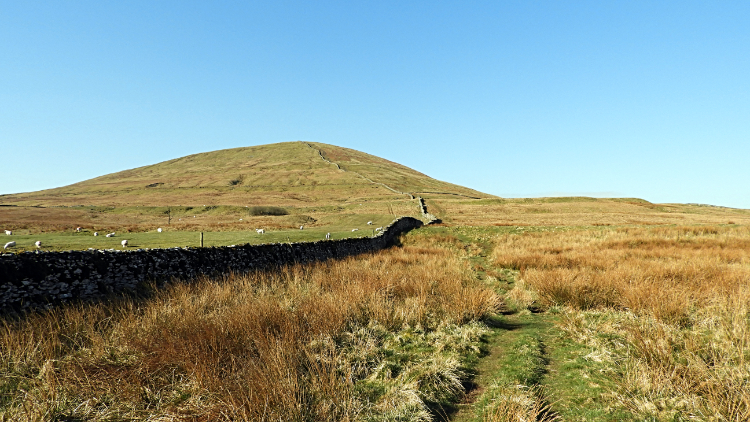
{"x": 535, "y": 98}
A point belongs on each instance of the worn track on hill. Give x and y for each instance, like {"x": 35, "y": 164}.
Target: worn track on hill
{"x": 431, "y": 219}
{"x": 338, "y": 166}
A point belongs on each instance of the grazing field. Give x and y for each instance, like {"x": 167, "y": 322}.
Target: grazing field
{"x": 222, "y": 226}
{"x": 184, "y": 238}
{"x": 229, "y": 224}
{"x": 388, "y": 336}
{"x": 170, "y": 239}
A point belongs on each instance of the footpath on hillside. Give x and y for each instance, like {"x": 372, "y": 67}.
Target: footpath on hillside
{"x": 429, "y": 218}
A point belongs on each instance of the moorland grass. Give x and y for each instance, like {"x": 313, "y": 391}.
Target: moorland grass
{"x": 385, "y": 336}
{"x": 598, "y": 347}
{"x": 664, "y": 310}
{"x": 579, "y": 212}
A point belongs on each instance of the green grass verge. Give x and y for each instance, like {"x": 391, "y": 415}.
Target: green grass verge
{"x": 339, "y": 228}
{"x": 170, "y": 239}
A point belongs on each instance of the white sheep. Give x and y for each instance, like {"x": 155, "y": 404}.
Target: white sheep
{"x": 96, "y": 233}
{"x": 78, "y": 229}
{"x": 369, "y": 223}
{"x": 124, "y": 243}
{"x": 38, "y": 243}
{"x": 354, "y": 230}
{"x": 260, "y": 231}
{"x": 9, "y": 245}
{"x": 159, "y": 230}
{"x": 8, "y": 232}
{"x": 378, "y": 229}
{"x": 111, "y": 234}
{"x": 328, "y": 236}
{"x": 301, "y": 227}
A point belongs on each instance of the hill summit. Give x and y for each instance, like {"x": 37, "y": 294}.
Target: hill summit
{"x": 287, "y": 174}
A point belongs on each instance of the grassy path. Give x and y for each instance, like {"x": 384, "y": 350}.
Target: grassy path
{"x": 532, "y": 370}
{"x": 516, "y": 357}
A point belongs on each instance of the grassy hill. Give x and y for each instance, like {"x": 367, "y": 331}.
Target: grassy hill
{"x": 283, "y": 174}
{"x": 325, "y": 188}
{"x": 580, "y": 309}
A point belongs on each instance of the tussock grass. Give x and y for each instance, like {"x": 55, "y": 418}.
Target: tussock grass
{"x": 578, "y": 212}
{"x": 664, "y": 272}
{"x": 519, "y": 404}
{"x": 382, "y": 337}
{"x": 667, "y": 309}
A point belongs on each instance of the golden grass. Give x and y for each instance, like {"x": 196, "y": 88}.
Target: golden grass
{"x": 667, "y": 307}
{"x": 519, "y": 404}
{"x": 578, "y": 212}
{"x": 665, "y": 371}
{"x": 665, "y": 271}
{"x": 283, "y": 345}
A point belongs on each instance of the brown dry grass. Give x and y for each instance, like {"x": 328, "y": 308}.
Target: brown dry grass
{"x": 263, "y": 347}
{"x": 667, "y": 307}
{"x": 665, "y": 272}
{"x": 520, "y": 404}
{"x": 578, "y": 212}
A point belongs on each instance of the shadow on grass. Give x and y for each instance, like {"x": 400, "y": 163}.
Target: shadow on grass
{"x": 497, "y": 321}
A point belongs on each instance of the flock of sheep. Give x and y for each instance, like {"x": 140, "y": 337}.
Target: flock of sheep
{"x": 12, "y": 244}
{"x": 38, "y": 243}
{"x": 328, "y": 235}
{"x": 124, "y": 243}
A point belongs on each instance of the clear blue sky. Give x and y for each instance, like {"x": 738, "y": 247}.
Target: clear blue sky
{"x": 530, "y": 98}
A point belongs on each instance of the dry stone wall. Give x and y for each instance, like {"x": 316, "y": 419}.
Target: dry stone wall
{"x": 33, "y": 280}
{"x": 431, "y": 219}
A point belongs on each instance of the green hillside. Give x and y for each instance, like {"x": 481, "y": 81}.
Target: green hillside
{"x": 286, "y": 174}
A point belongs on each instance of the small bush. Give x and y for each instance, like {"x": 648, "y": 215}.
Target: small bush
{"x": 267, "y": 210}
